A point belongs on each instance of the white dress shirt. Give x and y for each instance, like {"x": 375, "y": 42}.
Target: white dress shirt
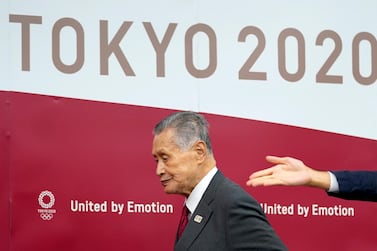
{"x": 334, "y": 185}
{"x": 194, "y": 198}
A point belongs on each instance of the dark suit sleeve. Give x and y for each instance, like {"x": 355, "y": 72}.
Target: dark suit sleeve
{"x": 356, "y": 185}
{"x": 248, "y": 226}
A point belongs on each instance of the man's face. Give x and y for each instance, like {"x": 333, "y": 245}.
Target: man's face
{"x": 176, "y": 168}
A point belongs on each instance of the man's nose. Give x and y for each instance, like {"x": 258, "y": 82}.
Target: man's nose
{"x": 160, "y": 169}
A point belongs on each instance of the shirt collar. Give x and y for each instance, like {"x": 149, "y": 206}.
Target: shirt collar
{"x": 194, "y": 198}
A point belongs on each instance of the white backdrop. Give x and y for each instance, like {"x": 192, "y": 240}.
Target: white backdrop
{"x": 348, "y": 107}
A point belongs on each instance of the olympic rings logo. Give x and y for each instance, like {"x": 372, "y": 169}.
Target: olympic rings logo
{"x": 46, "y": 216}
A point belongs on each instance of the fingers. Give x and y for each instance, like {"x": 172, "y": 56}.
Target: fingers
{"x": 255, "y": 182}
{"x": 268, "y": 171}
{"x": 261, "y": 178}
{"x": 277, "y": 160}
{"x": 263, "y": 181}
{"x": 251, "y": 183}
{"x": 261, "y": 173}
{"x": 265, "y": 177}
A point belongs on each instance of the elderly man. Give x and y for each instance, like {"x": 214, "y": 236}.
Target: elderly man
{"x": 221, "y": 215}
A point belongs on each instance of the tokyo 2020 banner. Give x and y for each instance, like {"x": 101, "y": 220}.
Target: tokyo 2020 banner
{"x": 82, "y": 85}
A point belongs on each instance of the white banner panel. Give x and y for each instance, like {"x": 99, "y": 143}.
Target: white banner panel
{"x": 311, "y": 64}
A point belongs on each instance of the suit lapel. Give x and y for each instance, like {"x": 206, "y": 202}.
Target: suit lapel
{"x": 201, "y": 215}
{"x": 193, "y": 228}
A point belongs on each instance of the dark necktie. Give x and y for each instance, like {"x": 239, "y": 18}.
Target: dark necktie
{"x": 183, "y": 222}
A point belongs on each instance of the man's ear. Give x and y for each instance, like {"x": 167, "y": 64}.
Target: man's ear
{"x": 201, "y": 150}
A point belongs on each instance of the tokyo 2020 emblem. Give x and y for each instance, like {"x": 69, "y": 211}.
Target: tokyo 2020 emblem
{"x": 46, "y": 200}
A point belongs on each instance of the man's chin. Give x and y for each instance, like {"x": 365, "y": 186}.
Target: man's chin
{"x": 169, "y": 190}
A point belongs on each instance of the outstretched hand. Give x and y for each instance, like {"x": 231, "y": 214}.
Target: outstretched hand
{"x": 286, "y": 171}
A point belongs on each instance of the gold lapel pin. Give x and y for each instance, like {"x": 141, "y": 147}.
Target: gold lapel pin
{"x": 198, "y": 218}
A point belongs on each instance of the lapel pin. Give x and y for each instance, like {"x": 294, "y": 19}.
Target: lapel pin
{"x": 198, "y": 218}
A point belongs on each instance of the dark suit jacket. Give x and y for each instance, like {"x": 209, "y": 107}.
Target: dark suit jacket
{"x": 356, "y": 185}
{"x": 228, "y": 218}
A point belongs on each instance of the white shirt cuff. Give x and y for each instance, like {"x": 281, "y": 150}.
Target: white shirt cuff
{"x": 334, "y": 185}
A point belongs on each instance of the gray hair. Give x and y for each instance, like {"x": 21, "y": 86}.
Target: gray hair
{"x": 189, "y": 127}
